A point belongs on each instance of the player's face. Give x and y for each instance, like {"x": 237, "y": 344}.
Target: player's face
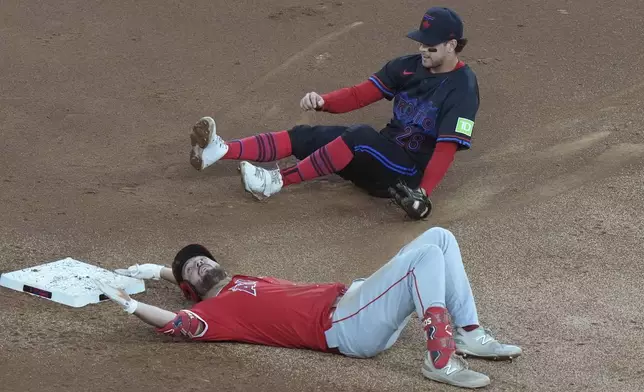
{"x": 203, "y": 273}
{"x": 434, "y": 56}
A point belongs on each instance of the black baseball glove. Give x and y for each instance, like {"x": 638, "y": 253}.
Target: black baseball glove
{"x": 413, "y": 201}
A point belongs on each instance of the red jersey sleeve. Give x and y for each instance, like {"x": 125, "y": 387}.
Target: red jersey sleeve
{"x": 438, "y": 165}
{"x": 351, "y": 98}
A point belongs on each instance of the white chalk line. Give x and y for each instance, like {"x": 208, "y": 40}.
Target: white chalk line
{"x": 321, "y": 41}
{"x": 237, "y": 107}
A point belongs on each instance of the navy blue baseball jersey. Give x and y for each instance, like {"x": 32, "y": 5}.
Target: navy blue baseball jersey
{"x": 428, "y": 108}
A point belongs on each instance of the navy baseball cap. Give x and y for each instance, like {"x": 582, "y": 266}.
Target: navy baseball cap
{"x": 439, "y": 25}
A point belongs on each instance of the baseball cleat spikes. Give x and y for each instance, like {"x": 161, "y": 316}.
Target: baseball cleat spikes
{"x": 207, "y": 146}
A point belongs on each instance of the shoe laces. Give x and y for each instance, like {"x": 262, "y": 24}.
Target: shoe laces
{"x": 267, "y": 177}
{"x": 488, "y": 336}
{"x": 219, "y": 140}
{"x": 275, "y": 176}
{"x": 259, "y": 173}
{"x": 460, "y": 362}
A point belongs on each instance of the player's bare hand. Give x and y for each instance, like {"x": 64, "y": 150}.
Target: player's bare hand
{"x": 312, "y": 101}
{"x": 142, "y": 271}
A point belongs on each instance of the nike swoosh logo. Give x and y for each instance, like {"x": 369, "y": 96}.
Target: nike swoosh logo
{"x": 407, "y": 73}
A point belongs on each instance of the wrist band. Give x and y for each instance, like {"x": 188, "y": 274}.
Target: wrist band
{"x": 131, "y": 306}
{"x": 157, "y": 273}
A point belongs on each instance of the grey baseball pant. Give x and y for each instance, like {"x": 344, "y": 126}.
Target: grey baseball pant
{"x": 426, "y": 272}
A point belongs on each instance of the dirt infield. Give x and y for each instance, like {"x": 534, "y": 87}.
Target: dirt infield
{"x": 96, "y": 102}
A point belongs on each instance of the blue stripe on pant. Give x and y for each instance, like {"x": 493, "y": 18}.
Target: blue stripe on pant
{"x": 378, "y": 162}
{"x": 407, "y": 171}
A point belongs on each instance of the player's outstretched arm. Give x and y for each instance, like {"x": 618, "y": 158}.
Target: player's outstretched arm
{"x": 152, "y": 315}
{"x": 166, "y": 274}
{"x": 343, "y": 100}
{"x": 148, "y": 271}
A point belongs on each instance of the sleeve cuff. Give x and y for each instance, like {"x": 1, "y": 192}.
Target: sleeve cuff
{"x": 463, "y": 143}
{"x": 386, "y": 91}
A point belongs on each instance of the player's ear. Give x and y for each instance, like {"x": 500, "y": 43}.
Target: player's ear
{"x": 189, "y": 291}
{"x": 451, "y": 45}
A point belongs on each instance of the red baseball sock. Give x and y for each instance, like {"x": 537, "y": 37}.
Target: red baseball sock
{"x": 265, "y": 147}
{"x": 331, "y": 158}
{"x": 440, "y": 342}
{"x": 470, "y": 328}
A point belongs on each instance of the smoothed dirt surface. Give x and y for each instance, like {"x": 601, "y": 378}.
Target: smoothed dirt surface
{"x": 97, "y": 100}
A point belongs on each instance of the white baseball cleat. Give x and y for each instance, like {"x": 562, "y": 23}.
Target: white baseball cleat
{"x": 480, "y": 343}
{"x": 457, "y": 372}
{"x": 207, "y": 146}
{"x": 260, "y": 182}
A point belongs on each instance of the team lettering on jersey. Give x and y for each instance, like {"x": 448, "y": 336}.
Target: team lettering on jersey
{"x": 418, "y": 112}
{"x": 246, "y": 286}
{"x": 428, "y": 108}
{"x": 418, "y": 117}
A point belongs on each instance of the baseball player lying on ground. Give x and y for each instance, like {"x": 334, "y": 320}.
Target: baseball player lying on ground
{"x": 426, "y": 276}
{"x": 435, "y": 101}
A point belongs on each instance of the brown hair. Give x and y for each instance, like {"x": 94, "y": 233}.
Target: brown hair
{"x": 460, "y": 44}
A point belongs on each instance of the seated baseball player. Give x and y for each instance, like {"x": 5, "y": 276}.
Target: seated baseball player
{"x": 426, "y": 277}
{"x": 435, "y": 101}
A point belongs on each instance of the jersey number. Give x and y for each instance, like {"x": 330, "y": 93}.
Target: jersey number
{"x": 411, "y": 138}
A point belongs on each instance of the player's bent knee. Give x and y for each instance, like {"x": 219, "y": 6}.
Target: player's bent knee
{"x": 437, "y": 235}
{"x": 426, "y": 253}
{"x": 441, "y": 231}
{"x": 358, "y": 134}
{"x": 300, "y": 134}
{"x": 299, "y": 130}
{"x": 301, "y": 139}
{"x": 446, "y": 235}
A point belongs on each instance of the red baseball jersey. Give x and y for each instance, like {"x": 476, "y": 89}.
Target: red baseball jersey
{"x": 264, "y": 310}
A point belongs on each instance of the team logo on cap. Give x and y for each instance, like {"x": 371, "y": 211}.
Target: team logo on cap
{"x": 427, "y": 18}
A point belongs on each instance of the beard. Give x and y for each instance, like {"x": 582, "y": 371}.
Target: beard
{"x": 211, "y": 278}
{"x": 432, "y": 63}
